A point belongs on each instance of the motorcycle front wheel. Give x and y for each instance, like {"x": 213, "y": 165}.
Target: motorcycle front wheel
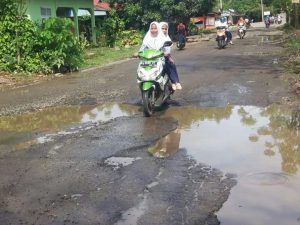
{"x": 180, "y": 46}
{"x": 241, "y": 35}
{"x": 148, "y": 105}
{"x": 221, "y": 43}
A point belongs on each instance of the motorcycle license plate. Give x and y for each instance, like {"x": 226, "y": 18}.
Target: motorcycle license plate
{"x": 144, "y": 64}
{"x": 220, "y": 32}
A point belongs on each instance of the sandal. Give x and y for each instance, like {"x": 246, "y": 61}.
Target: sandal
{"x": 178, "y": 86}
{"x": 174, "y": 87}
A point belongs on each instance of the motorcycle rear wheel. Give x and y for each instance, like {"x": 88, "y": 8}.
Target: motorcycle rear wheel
{"x": 148, "y": 105}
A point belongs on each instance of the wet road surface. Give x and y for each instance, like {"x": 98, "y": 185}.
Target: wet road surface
{"x": 78, "y": 150}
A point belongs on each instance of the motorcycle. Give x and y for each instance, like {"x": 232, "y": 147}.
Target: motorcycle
{"x": 241, "y": 31}
{"x": 248, "y": 24}
{"x": 181, "y": 41}
{"x": 154, "y": 83}
{"x": 267, "y": 23}
{"x": 279, "y": 21}
{"x": 221, "y": 38}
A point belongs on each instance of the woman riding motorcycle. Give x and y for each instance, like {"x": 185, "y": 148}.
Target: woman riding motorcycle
{"x": 153, "y": 39}
{"x": 223, "y": 23}
{"x": 170, "y": 64}
{"x": 242, "y": 23}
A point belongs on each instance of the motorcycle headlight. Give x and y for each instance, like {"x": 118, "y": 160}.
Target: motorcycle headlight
{"x": 145, "y": 74}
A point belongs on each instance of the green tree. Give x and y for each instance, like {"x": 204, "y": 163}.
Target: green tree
{"x": 139, "y": 13}
{"x": 243, "y": 6}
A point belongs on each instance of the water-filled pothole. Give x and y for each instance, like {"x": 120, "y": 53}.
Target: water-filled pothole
{"x": 21, "y": 129}
{"x": 260, "y": 145}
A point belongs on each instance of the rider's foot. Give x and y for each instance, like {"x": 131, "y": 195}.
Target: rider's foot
{"x": 174, "y": 87}
{"x": 178, "y": 86}
{"x": 231, "y": 42}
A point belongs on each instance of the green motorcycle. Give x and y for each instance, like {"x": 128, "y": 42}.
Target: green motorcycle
{"x": 154, "y": 83}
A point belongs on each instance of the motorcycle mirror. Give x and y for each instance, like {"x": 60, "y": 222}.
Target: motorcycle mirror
{"x": 168, "y": 43}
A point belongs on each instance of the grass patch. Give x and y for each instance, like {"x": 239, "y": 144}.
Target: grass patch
{"x": 103, "y": 55}
{"x": 286, "y": 28}
{"x": 291, "y": 60}
{"x": 207, "y": 31}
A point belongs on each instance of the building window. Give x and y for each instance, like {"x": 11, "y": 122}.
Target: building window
{"x": 45, "y": 12}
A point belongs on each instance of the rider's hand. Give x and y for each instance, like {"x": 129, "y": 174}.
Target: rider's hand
{"x": 171, "y": 60}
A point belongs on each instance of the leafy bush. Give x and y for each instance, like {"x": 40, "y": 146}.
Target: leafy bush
{"x": 17, "y": 38}
{"x": 32, "y": 48}
{"x": 287, "y": 28}
{"x": 206, "y": 31}
{"x": 129, "y": 38}
{"x": 58, "y": 46}
{"x": 193, "y": 29}
{"x": 293, "y": 55}
{"x": 109, "y": 30}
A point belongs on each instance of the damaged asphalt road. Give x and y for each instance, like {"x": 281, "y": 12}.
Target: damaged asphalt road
{"x": 101, "y": 173}
{"x": 80, "y": 179}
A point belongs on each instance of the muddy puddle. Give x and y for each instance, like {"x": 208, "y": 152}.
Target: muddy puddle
{"x": 260, "y": 145}
{"x": 20, "y": 131}
{"x": 270, "y": 38}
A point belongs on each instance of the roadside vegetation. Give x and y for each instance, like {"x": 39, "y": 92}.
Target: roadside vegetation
{"x": 29, "y": 49}
{"x": 100, "y": 56}
{"x": 292, "y": 51}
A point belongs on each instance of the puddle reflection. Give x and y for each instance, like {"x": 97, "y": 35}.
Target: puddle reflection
{"x": 260, "y": 145}
{"x": 14, "y": 129}
{"x": 167, "y": 145}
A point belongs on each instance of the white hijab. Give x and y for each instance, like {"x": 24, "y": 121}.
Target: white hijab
{"x": 154, "y": 42}
{"x": 166, "y": 36}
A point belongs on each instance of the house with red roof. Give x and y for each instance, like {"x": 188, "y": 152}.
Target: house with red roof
{"x": 101, "y": 6}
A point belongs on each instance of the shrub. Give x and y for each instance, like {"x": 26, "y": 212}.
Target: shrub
{"x": 109, "y": 30}
{"x": 32, "y": 48}
{"x": 17, "y": 38}
{"x": 58, "y": 46}
{"x": 129, "y": 38}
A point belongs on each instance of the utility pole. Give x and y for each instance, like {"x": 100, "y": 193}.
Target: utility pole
{"x": 296, "y": 8}
{"x": 221, "y": 6}
{"x": 262, "y": 10}
{"x": 296, "y": 15}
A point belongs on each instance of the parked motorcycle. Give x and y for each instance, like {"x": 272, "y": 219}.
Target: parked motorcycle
{"x": 181, "y": 41}
{"x": 241, "y": 31}
{"x": 154, "y": 84}
{"x": 221, "y": 38}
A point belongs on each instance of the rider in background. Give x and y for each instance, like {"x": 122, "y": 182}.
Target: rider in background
{"x": 247, "y": 22}
{"x": 223, "y": 23}
{"x": 181, "y": 29}
{"x": 241, "y": 21}
{"x": 267, "y": 21}
{"x": 182, "y": 32}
